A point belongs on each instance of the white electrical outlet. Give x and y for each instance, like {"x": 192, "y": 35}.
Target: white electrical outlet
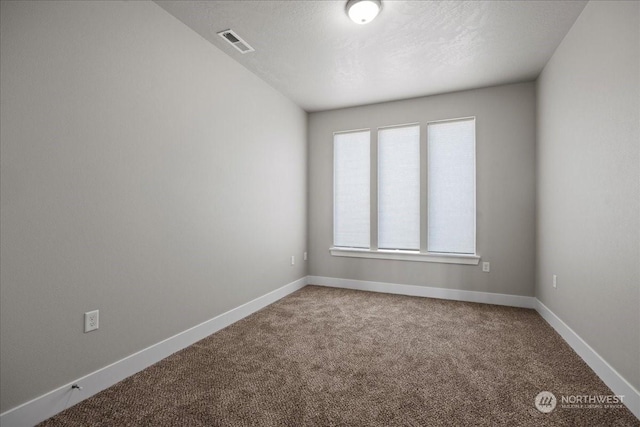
{"x": 305, "y": 256}
{"x": 555, "y": 281}
{"x": 91, "y": 321}
{"x": 293, "y": 260}
{"x": 486, "y": 267}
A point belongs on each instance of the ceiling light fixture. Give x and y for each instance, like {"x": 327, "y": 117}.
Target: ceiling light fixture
{"x": 363, "y": 11}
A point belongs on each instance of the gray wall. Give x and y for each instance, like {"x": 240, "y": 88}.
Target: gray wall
{"x": 505, "y": 146}
{"x": 145, "y": 174}
{"x": 588, "y": 176}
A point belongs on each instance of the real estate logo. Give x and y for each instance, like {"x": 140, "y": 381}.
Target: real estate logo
{"x": 545, "y": 402}
{"x": 599, "y": 401}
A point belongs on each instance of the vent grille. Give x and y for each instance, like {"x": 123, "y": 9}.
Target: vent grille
{"x": 234, "y": 40}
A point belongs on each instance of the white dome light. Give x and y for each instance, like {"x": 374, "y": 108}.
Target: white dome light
{"x": 363, "y": 11}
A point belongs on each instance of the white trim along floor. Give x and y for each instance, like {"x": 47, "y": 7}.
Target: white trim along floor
{"x": 49, "y": 404}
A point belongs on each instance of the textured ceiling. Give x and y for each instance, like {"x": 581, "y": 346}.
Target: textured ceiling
{"x": 314, "y": 54}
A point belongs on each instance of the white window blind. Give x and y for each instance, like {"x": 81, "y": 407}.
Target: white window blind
{"x": 451, "y": 186}
{"x": 399, "y": 188}
{"x": 351, "y": 181}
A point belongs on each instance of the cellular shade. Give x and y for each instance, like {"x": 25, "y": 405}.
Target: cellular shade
{"x": 451, "y": 172}
{"x": 399, "y": 188}
{"x": 351, "y": 181}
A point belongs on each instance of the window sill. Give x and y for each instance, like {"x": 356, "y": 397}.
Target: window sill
{"x": 406, "y": 255}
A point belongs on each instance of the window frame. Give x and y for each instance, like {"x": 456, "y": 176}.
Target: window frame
{"x": 334, "y": 188}
{"x": 475, "y": 182}
{"x": 422, "y": 255}
{"x": 420, "y": 178}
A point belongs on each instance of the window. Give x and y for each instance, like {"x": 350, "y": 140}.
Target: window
{"x": 351, "y": 189}
{"x": 451, "y": 186}
{"x": 426, "y": 194}
{"x": 399, "y": 188}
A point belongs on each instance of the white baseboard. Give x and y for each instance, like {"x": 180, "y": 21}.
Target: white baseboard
{"x": 49, "y": 404}
{"x": 424, "y": 291}
{"x": 607, "y": 374}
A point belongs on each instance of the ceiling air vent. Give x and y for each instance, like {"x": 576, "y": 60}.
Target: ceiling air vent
{"x": 236, "y": 41}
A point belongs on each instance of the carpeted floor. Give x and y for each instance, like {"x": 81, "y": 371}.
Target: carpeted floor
{"x": 334, "y": 357}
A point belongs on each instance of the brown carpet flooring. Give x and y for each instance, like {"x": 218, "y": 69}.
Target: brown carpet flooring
{"x": 334, "y": 357}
